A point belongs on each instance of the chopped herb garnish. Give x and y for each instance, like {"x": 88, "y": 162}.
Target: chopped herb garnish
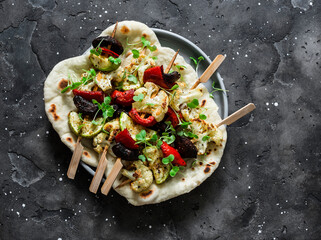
{"x": 193, "y": 104}
{"x": 116, "y": 61}
{"x": 185, "y": 124}
{"x": 139, "y": 98}
{"x": 215, "y": 89}
{"x": 205, "y": 138}
{"x": 80, "y": 116}
{"x": 200, "y": 58}
{"x": 132, "y": 78}
{"x": 150, "y": 104}
{"x": 154, "y": 58}
{"x": 105, "y": 108}
{"x": 174, "y": 87}
{"x": 174, "y": 171}
{"x": 202, "y": 116}
{"x": 141, "y": 138}
{"x": 147, "y": 44}
{"x": 154, "y": 138}
{"x": 90, "y": 74}
{"x": 135, "y": 53}
{"x": 168, "y": 159}
{"x": 142, "y": 157}
{"x": 179, "y": 67}
{"x": 159, "y": 143}
{"x": 97, "y": 51}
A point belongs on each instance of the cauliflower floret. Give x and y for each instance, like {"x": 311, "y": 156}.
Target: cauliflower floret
{"x": 202, "y": 129}
{"x": 156, "y": 106}
{"x": 103, "y": 81}
{"x": 180, "y": 97}
{"x": 104, "y": 138}
{"x": 141, "y": 176}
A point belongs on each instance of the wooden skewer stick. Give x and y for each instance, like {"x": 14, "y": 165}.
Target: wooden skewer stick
{"x": 171, "y": 62}
{"x": 210, "y": 70}
{"x": 75, "y": 159}
{"x": 237, "y": 115}
{"x": 112, "y": 177}
{"x": 124, "y": 183}
{"x": 101, "y": 168}
{"x": 113, "y": 34}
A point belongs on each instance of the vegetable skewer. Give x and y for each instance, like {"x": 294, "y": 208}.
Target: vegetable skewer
{"x": 143, "y": 115}
{"x": 209, "y": 71}
{"x": 75, "y": 159}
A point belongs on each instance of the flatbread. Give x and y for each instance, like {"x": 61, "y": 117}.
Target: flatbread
{"x": 58, "y": 106}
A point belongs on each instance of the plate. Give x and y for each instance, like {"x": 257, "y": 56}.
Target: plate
{"x": 188, "y": 49}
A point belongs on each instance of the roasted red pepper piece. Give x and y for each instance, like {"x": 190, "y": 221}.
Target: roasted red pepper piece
{"x": 126, "y": 139}
{"x": 168, "y": 150}
{"x": 109, "y": 52}
{"x": 90, "y": 95}
{"x": 123, "y": 98}
{"x": 146, "y": 122}
{"x": 173, "y": 117}
{"x": 155, "y": 75}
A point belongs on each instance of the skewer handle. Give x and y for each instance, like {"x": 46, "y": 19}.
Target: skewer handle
{"x": 75, "y": 159}
{"x": 237, "y": 115}
{"x": 112, "y": 177}
{"x": 99, "y": 172}
{"x": 171, "y": 62}
{"x": 210, "y": 70}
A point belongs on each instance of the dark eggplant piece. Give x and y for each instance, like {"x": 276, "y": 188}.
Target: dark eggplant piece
{"x": 160, "y": 127}
{"x": 124, "y": 153}
{"x": 84, "y": 106}
{"x": 109, "y": 41}
{"x": 120, "y": 109}
{"x": 185, "y": 147}
{"x": 171, "y": 77}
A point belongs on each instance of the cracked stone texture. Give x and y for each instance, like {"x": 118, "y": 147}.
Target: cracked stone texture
{"x": 268, "y": 183}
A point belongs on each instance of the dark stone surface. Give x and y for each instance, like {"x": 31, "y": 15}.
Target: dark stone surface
{"x": 268, "y": 183}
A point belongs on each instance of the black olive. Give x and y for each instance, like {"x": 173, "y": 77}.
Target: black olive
{"x": 84, "y": 106}
{"x": 171, "y": 77}
{"x": 185, "y": 147}
{"x": 119, "y": 109}
{"x": 124, "y": 153}
{"x": 109, "y": 41}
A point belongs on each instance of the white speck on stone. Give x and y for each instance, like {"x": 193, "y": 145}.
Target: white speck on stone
{"x": 245, "y": 143}
{"x": 60, "y": 179}
{"x": 18, "y": 213}
{"x": 59, "y": 239}
{"x": 259, "y": 4}
{"x": 235, "y": 196}
{"x": 249, "y": 187}
{"x": 150, "y": 226}
{"x": 276, "y": 104}
{"x": 57, "y": 53}
{"x": 260, "y": 231}
{"x": 23, "y": 205}
{"x": 106, "y": 219}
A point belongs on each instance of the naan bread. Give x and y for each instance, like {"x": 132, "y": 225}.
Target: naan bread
{"x": 58, "y": 106}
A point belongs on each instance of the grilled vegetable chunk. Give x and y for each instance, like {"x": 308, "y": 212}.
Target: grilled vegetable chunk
{"x": 160, "y": 170}
{"x": 132, "y": 127}
{"x": 74, "y": 122}
{"x": 157, "y": 105}
{"x": 89, "y": 130}
{"x": 180, "y": 97}
{"x": 111, "y": 129}
{"x": 140, "y": 174}
{"x": 206, "y": 132}
{"x": 124, "y": 153}
{"x": 103, "y": 63}
{"x": 185, "y": 147}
